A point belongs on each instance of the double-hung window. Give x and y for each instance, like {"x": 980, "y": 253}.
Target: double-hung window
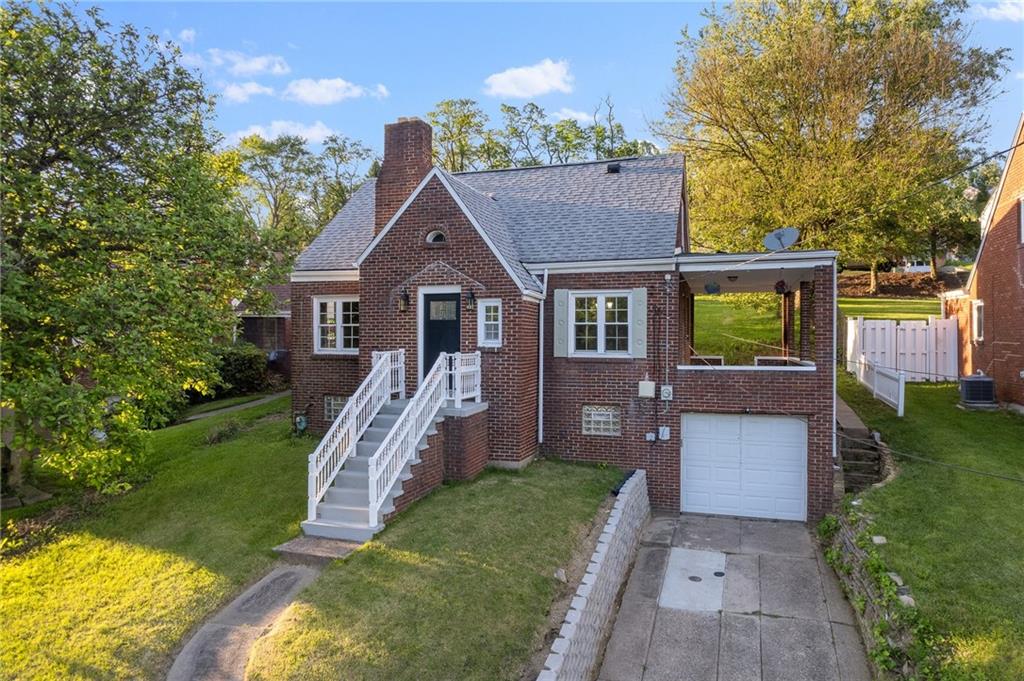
{"x": 336, "y": 325}
{"x": 601, "y": 323}
{"x": 488, "y": 323}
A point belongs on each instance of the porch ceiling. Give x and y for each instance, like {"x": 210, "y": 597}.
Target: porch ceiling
{"x": 751, "y": 272}
{"x": 747, "y": 281}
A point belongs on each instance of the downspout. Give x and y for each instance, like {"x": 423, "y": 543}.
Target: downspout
{"x": 540, "y": 363}
{"x": 835, "y": 321}
{"x": 665, "y": 358}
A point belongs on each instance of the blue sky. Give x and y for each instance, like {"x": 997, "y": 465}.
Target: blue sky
{"x": 350, "y": 68}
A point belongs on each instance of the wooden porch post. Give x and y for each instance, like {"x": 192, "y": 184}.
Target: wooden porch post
{"x": 788, "y": 321}
{"x": 685, "y": 328}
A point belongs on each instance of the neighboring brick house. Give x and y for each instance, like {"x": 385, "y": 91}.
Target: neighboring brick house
{"x": 574, "y": 283}
{"x": 269, "y": 331}
{"x": 990, "y": 308}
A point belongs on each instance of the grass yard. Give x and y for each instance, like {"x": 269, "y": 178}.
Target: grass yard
{"x": 718, "y": 317}
{"x": 890, "y": 308}
{"x": 457, "y": 588}
{"x": 113, "y": 597}
{"x": 220, "y": 404}
{"x": 955, "y": 537}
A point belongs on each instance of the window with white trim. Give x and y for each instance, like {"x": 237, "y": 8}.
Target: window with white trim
{"x": 333, "y": 404}
{"x": 488, "y": 323}
{"x": 336, "y": 325}
{"x": 978, "y": 320}
{"x": 601, "y": 323}
{"x": 598, "y": 420}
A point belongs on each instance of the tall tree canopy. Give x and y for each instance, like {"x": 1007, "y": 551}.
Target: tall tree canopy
{"x": 120, "y": 254}
{"x": 822, "y": 114}
{"x": 527, "y": 137}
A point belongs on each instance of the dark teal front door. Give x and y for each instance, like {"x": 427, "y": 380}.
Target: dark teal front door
{"x": 441, "y": 323}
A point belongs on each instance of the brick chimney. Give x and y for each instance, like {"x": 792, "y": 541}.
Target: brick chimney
{"x": 407, "y": 159}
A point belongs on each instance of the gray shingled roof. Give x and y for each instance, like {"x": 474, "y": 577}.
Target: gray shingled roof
{"x": 543, "y": 214}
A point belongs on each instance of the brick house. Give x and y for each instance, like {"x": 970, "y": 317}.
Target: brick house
{"x": 270, "y": 331}
{"x": 444, "y": 322}
{"x": 990, "y": 309}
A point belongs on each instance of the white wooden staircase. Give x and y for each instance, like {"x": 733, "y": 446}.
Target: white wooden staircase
{"x": 357, "y": 471}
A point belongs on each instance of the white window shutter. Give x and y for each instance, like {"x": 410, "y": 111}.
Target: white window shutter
{"x": 638, "y": 336}
{"x": 561, "y": 330}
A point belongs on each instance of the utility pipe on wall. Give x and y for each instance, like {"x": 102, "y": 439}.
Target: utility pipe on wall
{"x": 540, "y": 362}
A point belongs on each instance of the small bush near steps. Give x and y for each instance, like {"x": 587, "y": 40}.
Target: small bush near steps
{"x": 901, "y": 643}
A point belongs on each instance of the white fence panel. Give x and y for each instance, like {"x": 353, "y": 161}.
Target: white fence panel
{"x": 923, "y": 350}
{"x": 886, "y": 385}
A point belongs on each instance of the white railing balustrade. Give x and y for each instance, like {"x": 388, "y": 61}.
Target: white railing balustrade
{"x": 464, "y": 377}
{"x": 886, "y": 385}
{"x": 386, "y": 378}
{"x": 400, "y": 445}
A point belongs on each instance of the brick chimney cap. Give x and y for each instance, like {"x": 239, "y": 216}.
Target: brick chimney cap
{"x": 409, "y": 119}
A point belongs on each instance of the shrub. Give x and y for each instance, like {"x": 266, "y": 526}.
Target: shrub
{"x": 224, "y": 432}
{"x": 242, "y": 368}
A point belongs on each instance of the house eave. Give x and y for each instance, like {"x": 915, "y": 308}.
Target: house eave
{"x": 583, "y": 266}
{"x": 702, "y": 262}
{"x": 301, "y": 276}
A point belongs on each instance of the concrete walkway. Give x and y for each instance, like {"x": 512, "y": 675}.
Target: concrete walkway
{"x": 728, "y": 599}
{"x": 219, "y": 651}
{"x": 237, "y": 407}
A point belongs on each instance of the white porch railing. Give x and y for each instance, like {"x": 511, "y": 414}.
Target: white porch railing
{"x": 886, "y": 385}
{"x": 464, "y": 371}
{"x": 399, "y": 447}
{"x": 386, "y": 378}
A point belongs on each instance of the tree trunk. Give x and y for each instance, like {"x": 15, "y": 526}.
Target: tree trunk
{"x": 933, "y": 258}
{"x": 873, "y": 288}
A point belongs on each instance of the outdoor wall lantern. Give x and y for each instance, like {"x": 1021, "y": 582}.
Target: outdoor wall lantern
{"x": 403, "y": 301}
{"x": 471, "y": 301}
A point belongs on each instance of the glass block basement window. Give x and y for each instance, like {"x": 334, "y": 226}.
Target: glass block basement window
{"x": 333, "y": 404}
{"x": 602, "y": 420}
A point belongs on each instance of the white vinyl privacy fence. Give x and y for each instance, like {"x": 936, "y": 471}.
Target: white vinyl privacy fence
{"x": 923, "y": 350}
{"x": 885, "y": 353}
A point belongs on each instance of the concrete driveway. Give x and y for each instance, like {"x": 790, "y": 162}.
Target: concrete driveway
{"x": 729, "y": 599}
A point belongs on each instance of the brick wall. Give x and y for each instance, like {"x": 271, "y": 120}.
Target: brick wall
{"x": 999, "y": 282}
{"x": 570, "y": 383}
{"x": 314, "y": 376}
{"x": 426, "y": 475}
{"x": 466, "y": 446}
{"x": 403, "y": 261}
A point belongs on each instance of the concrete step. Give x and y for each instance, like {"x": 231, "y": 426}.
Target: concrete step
{"x": 866, "y": 467}
{"x": 347, "y": 531}
{"x": 347, "y": 496}
{"x": 858, "y": 480}
{"x": 349, "y": 515}
{"x": 395, "y": 407}
{"x": 357, "y": 463}
{"x": 384, "y": 421}
{"x": 860, "y": 454}
{"x": 351, "y": 480}
{"x": 366, "y": 449}
{"x": 373, "y": 434}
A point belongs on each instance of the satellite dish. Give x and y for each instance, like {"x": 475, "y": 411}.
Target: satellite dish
{"x": 781, "y": 239}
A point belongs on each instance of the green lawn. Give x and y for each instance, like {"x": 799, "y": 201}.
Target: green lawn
{"x": 718, "y": 317}
{"x": 114, "y": 596}
{"x": 458, "y": 588}
{"x": 890, "y": 308}
{"x": 220, "y": 404}
{"x": 956, "y": 538}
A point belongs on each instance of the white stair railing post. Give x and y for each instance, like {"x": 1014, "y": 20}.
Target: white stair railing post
{"x": 401, "y": 374}
{"x": 457, "y": 379}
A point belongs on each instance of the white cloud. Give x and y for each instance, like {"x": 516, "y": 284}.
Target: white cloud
{"x": 1004, "y": 10}
{"x": 1020, "y": 75}
{"x": 242, "y": 92}
{"x": 530, "y": 81}
{"x": 566, "y": 113}
{"x": 241, "y": 64}
{"x": 316, "y": 132}
{"x": 329, "y": 91}
{"x": 187, "y": 35}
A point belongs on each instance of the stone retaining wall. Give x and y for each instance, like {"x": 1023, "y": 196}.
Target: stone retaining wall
{"x": 577, "y": 650}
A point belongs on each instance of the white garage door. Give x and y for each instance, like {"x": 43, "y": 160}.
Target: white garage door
{"x": 745, "y": 465}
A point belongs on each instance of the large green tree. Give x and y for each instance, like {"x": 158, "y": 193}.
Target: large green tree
{"x": 527, "y": 137}
{"x": 120, "y": 254}
{"x": 822, "y": 114}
